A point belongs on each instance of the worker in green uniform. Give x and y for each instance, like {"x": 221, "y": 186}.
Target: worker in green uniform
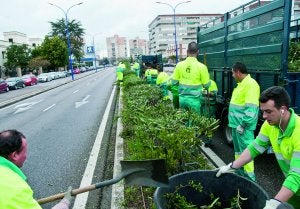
{"x": 243, "y": 114}
{"x": 120, "y": 70}
{"x": 136, "y": 68}
{"x": 281, "y": 130}
{"x": 15, "y": 193}
{"x": 163, "y": 81}
{"x": 147, "y": 75}
{"x": 153, "y": 74}
{"x": 191, "y": 76}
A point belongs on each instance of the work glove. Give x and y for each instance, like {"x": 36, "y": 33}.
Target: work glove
{"x": 272, "y": 204}
{"x": 240, "y": 129}
{"x": 284, "y": 205}
{"x": 225, "y": 169}
{"x": 65, "y": 202}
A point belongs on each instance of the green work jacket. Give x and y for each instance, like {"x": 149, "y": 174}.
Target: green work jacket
{"x": 286, "y": 147}
{"x": 244, "y": 104}
{"x": 191, "y": 76}
{"x": 136, "y": 66}
{"x": 15, "y": 193}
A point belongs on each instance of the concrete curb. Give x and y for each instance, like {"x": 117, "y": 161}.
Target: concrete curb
{"x": 117, "y": 196}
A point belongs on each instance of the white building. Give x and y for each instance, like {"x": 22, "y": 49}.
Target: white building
{"x": 161, "y": 32}
{"x": 116, "y": 48}
{"x": 17, "y": 38}
{"x": 138, "y": 46}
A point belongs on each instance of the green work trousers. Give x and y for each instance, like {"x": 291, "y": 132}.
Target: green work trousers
{"x": 190, "y": 102}
{"x": 240, "y": 143}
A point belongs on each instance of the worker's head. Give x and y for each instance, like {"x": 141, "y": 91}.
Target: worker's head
{"x": 274, "y": 104}
{"x": 13, "y": 146}
{"x": 239, "y": 71}
{"x": 192, "y": 50}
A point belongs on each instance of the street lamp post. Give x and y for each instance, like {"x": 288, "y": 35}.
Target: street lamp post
{"x": 174, "y": 22}
{"x": 68, "y": 35}
{"x": 94, "y": 52}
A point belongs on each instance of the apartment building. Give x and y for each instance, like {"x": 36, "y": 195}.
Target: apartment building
{"x": 116, "y": 48}
{"x": 17, "y": 38}
{"x": 161, "y": 32}
{"x": 137, "y": 46}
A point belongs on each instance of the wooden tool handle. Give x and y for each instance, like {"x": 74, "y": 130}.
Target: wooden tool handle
{"x": 61, "y": 195}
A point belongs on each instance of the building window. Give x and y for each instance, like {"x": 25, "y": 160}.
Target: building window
{"x": 34, "y": 45}
{"x": 10, "y": 40}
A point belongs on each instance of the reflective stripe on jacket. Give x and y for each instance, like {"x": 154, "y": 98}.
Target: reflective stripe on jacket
{"x": 244, "y": 104}
{"x": 15, "y": 193}
{"x": 192, "y": 76}
{"x": 286, "y": 147}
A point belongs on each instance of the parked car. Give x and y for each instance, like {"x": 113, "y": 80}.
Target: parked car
{"x": 44, "y": 77}
{"x": 62, "y": 74}
{"x": 54, "y": 75}
{"x": 3, "y": 86}
{"x": 76, "y": 71}
{"x": 30, "y": 79}
{"x": 15, "y": 83}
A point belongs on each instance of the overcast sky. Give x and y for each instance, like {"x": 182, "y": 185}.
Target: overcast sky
{"x": 100, "y": 18}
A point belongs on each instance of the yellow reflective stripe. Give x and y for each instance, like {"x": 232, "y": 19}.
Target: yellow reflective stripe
{"x": 259, "y": 148}
{"x": 251, "y": 105}
{"x": 237, "y": 115}
{"x": 279, "y": 156}
{"x": 191, "y": 86}
{"x": 296, "y": 155}
{"x": 296, "y": 170}
{"x": 235, "y": 106}
{"x": 250, "y": 114}
{"x": 263, "y": 137}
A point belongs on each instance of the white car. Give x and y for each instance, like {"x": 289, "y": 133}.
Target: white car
{"x": 44, "y": 77}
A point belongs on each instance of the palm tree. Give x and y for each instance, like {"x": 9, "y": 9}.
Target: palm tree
{"x": 76, "y": 33}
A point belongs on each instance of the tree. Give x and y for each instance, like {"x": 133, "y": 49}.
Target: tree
{"x": 17, "y": 56}
{"x": 55, "y": 51}
{"x": 76, "y": 33}
{"x": 39, "y": 61}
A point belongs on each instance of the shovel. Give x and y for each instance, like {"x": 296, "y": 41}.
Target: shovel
{"x": 141, "y": 172}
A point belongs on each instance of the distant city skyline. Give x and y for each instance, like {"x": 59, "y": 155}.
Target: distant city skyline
{"x": 109, "y": 17}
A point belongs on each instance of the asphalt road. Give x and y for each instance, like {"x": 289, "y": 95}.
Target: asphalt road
{"x": 61, "y": 126}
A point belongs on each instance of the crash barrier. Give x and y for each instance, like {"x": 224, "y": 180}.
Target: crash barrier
{"x": 224, "y": 187}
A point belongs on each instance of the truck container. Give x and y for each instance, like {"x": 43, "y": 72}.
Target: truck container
{"x": 151, "y": 60}
{"x": 257, "y": 34}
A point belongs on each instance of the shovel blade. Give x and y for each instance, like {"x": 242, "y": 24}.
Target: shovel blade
{"x": 150, "y": 172}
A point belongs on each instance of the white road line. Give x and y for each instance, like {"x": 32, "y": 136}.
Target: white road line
{"x": 75, "y": 91}
{"x": 48, "y": 108}
{"x": 81, "y": 199}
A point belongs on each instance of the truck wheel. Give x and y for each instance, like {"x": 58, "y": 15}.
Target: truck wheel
{"x": 227, "y": 131}
{"x": 227, "y": 134}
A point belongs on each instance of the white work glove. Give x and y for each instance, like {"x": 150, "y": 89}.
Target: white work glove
{"x": 65, "y": 202}
{"x": 240, "y": 129}
{"x": 284, "y": 205}
{"x": 225, "y": 169}
{"x": 272, "y": 204}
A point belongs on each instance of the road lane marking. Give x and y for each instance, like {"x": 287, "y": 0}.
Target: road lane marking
{"x": 81, "y": 199}
{"x": 82, "y": 102}
{"x": 25, "y": 106}
{"x": 75, "y": 91}
{"x": 48, "y": 108}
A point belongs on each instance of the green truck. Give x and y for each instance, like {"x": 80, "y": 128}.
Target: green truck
{"x": 258, "y": 34}
{"x": 151, "y": 60}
